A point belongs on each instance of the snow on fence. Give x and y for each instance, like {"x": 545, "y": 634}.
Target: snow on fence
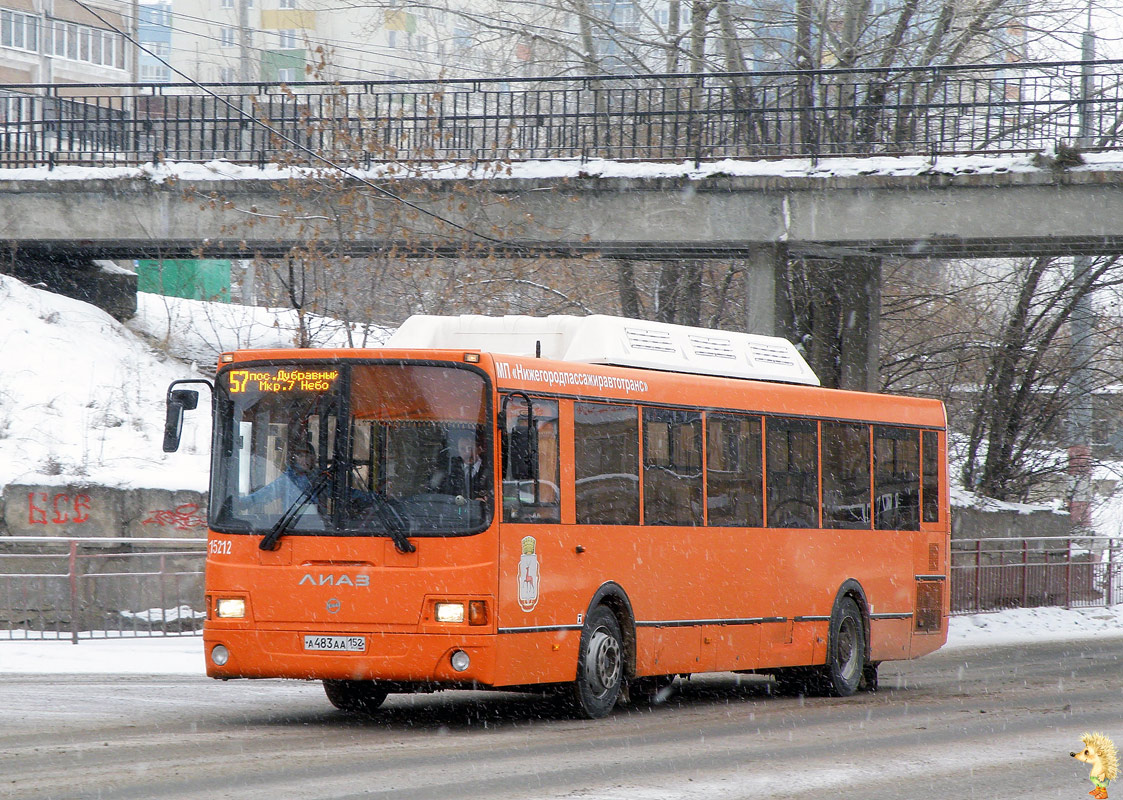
{"x": 52, "y": 588}
{"x": 998, "y": 573}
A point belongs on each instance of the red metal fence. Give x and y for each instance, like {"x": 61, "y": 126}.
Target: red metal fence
{"x": 93, "y": 588}
{"x": 999, "y": 573}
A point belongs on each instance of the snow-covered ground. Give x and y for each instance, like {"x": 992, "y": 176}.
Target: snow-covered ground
{"x": 183, "y": 655}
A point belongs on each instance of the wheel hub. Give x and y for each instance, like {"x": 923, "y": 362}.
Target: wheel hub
{"x": 604, "y": 665}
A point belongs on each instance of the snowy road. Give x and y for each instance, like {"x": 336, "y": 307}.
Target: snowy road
{"x": 963, "y": 723}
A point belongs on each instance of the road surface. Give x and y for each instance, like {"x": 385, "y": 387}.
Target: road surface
{"x": 980, "y": 723}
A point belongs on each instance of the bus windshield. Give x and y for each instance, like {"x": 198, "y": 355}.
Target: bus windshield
{"x": 352, "y": 449}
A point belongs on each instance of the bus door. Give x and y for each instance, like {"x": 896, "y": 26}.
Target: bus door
{"x": 533, "y": 555}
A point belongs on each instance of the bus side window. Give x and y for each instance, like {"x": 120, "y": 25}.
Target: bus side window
{"x": 846, "y": 476}
{"x": 931, "y": 486}
{"x": 672, "y": 467}
{"x": 793, "y": 472}
{"x": 531, "y": 488}
{"x": 734, "y": 473}
{"x": 896, "y": 478}
{"x": 606, "y": 463}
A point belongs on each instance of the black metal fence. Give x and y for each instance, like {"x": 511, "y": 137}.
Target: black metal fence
{"x": 990, "y": 108}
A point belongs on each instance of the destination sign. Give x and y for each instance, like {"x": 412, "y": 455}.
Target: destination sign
{"x": 280, "y": 380}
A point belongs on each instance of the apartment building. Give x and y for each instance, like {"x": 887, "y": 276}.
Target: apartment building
{"x": 61, "y": 42}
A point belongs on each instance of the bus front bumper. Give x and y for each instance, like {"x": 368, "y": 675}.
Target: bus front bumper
{"x": 439, "y": 658}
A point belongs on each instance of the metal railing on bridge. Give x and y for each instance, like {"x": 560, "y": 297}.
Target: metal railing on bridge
{"x": 931, "y": 111}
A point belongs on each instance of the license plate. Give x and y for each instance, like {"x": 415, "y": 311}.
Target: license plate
{"x": 336, "y": 644}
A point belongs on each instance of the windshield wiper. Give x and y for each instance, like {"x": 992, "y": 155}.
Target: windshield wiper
{"x": 281, "y": 526}
{"x": 394, "y": 523}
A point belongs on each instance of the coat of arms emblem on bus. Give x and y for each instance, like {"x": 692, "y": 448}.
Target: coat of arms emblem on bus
{"x": 528, "y": 575}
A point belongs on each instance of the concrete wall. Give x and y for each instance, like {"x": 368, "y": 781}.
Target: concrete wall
{"x": 973, "y": 523}
{"x": 107, "y": 586}
{"x": 81, "y": 511}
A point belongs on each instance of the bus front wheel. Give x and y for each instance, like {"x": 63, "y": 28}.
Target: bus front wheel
{"x": 600, "y": 665}
{"x": 355, "y": 697}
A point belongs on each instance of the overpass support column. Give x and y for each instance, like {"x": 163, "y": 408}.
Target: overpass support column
{"x": 766, "y": 312}
{"x": 859, "y": 292}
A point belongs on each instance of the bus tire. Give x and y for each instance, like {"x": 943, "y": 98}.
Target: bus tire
{"x": 846, "y": 650}
{"x": 600, "y": 665}
{"x": 355, "y": 697}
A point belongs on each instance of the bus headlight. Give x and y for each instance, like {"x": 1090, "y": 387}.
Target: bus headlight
{"x": 460, "y": 661}
{"x": 230, "y": 608}
{"x": 219, "y": 655}
{"x": 449, "y": 612}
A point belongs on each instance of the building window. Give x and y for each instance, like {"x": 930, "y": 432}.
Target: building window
{"x": 227, "y": 37}
{"x": 287, "y": 4}
{"x": 155, "y": 73}
{"x": 19, "y": 31}
{"x": 288, "y": 74}
{"x": 288, "y": 40}
{"x": 228, "y": 75}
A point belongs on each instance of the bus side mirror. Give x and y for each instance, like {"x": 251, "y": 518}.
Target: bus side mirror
{"x": 179, "y": 400}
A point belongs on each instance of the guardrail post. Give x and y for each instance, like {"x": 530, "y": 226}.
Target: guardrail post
{"x": 1111, "y": 572}
{"x": 163, "y": 595}
{"x": 978, "y": 574}
{"x": 72, "y": 572}
{"x": 1068, "y": 574}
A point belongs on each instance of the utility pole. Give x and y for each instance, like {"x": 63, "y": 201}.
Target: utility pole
{"x": 245, "y": 65}
{"x": 1081, "y": 328}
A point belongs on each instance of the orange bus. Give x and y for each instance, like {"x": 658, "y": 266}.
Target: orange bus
{"x": 588, "y": 503}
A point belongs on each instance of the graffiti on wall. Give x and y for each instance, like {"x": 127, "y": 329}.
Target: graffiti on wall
{"x": 58, "y": 509}
{"x": 185, "y": 517}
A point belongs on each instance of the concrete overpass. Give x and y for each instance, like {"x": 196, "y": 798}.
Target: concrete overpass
{"x": 964, "y": 214}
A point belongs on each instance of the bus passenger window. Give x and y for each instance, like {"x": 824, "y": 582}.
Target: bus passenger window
{"x": 931, "y": 487}
{"x": 734, "y": 474}
{"x": 606, "y": 463}
{"x": 793, "y": 473}
{"x": 896, "y": 477}
{"x": 530, "y": 461}
{"x": 846, "y": 476}
{"x": 672, "y": 467}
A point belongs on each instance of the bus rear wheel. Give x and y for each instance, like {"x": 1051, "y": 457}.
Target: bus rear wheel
{"x": 600, "y": 665}
{"x": 846, "y": 650}
{"x": 355, "y": 697}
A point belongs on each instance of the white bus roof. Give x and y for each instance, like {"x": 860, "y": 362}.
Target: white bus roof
{"x": 617, "y": 341}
